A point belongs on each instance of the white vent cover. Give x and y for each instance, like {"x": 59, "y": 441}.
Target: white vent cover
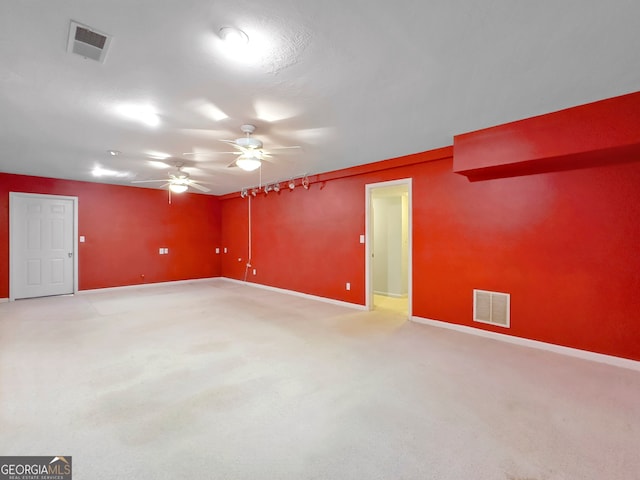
{"x": 87, "y": 42}
{"x": 491, "y": 307}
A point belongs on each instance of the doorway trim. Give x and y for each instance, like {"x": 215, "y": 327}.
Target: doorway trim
{"x": 13, "y": 228}
{"x": 369, "y": 190}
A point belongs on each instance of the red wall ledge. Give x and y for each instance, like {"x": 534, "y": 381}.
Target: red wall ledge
{"x": 603, "y": 132}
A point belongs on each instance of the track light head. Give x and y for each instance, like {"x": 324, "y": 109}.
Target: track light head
{"x": 243, "y": 193}
{"x": 292, "y": 184}
{"x": 276, "y": 187}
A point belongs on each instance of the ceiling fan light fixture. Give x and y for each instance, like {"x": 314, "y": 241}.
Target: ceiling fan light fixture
{"x": 248, "y": 163}
{"x": 178, "y": 187}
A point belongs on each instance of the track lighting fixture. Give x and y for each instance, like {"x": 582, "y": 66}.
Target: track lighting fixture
{"x": 276, "y": 187}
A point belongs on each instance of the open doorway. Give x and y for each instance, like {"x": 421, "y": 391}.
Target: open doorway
{"x": 388, "y": 265}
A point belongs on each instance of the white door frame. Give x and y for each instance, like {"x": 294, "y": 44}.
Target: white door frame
{"x": 13, "y": 228}
{"x": 369, "y": 188}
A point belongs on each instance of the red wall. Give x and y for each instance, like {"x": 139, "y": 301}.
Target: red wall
{"x": 124, "y": 228}
{"x": 565, "y": 245}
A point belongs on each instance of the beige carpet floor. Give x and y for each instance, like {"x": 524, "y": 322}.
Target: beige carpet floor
{"x": 218, "y": 380}
{"x": 391, "y": 304}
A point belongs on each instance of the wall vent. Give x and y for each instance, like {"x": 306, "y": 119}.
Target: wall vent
{"x": 87, "y": 42}
{"x": 491, "y": 307}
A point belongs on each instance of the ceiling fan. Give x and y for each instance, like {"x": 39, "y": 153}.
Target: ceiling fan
{"x": 250, "y": 150}
{"x": 178, "y": 182}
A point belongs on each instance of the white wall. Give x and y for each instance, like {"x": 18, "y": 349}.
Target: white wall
{"x": 390, "y": 245}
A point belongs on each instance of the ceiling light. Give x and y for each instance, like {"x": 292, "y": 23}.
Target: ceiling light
{"x": 141, "y": 113}
{"x": 292, "y": 184}
{"x": 234, "y": 37}
{"x": 103, "y": 172}
{"x": 113, "y": 153}
{"x": 178, "y": 187}
{"x": 157, "y": 164}
{"x": 158, "y": 155}
{"x": 248, "y": 163}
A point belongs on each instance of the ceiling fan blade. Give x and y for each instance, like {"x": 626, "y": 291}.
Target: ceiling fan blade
{"x": 199, "y": 187}
{"x": 210, "y": 154}
{"x": 292, "y": 147}
{"x": 149, "y": 181}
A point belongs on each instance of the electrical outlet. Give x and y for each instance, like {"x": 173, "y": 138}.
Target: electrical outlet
{"x": 348, "y": 286}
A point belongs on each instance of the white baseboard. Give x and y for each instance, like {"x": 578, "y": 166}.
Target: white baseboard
{"x": 147, "y": 285}
{"x": 525, "y": 342}
{"x": 297, "y": 294}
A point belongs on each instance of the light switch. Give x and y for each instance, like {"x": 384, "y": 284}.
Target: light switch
{"x": 348, "y": 286}
{"x": 361, "y": 238}
{"x": 166, "y": 251}
{"x": 225, "y": 249}
{"x": 254, "y": 271}
{"x": 81, "y": 238}
{"x": 217, "y": 251}
{"x": 161, "y": 251}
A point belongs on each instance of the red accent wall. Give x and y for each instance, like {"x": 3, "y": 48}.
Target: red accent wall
{"x": 565, "y": 244}
{"x": 124, "y": 228}
{"x": 596, "y": 133}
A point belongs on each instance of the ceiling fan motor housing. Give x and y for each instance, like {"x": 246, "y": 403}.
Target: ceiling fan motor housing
{"x": 248, "y": 142}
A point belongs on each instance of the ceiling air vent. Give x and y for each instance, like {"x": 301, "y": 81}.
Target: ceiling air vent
{"x": 87, "y": 42}
{"x": 491, "y": 307}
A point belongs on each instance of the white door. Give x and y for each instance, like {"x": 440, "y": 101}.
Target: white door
{"x": 42, "y": 245}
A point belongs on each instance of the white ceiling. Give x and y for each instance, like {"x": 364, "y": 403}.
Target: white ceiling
{"x": 350, "y": 81}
